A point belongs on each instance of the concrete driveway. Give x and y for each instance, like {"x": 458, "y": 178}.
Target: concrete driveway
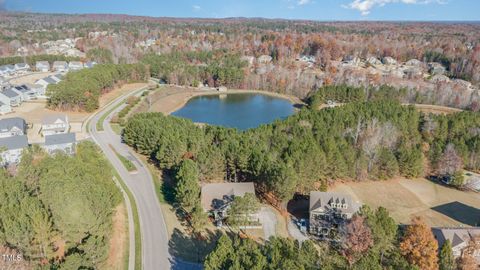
{"x": 294, "y": 231}
{"x": 269, "y": 222}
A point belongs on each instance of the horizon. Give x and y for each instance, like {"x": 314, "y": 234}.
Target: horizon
{"x": 307, "y": 10}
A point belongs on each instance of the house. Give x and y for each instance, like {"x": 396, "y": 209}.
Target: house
{"x": 42, "y": 66}
{"x": 3, "y": 71}
{"x": 22, "y": 67}
{"x": 63, "y": 142}
{"x": 16, "y": 98}
{"x": 374, "y": 61}
{"x": 5, "y": 106}
{"x": 222, "y": 89}
{"x": 43, "y": 83}
{"x": 329, "y": 212}
{"x": 414, "y": 63}
{"x": 75, "y": 65}
{"x": 11, "y": 149}
{"x": 216, "y": 198}
{"x": 436, "y": 68}
{"x": 90, "y": 64}
{"x": 459, "y": 238}
{"x": 55, "y": 124}
{"x": 60, "y": 66}
{"x": 10, "y": 69}
{"x": 389, "y": 61}
{"x": 14, "y": 126}
{"x": 264, "y": 59}
{"x": 57, "y": 77}
{"x": 307, "y": 59}
{"x": 27, "y": 92}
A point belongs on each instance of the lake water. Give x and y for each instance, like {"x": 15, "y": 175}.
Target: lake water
{"x": 242, "y": 111}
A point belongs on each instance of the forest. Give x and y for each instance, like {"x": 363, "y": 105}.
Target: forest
{"x": 215, "y": 68}
{"x": 56, "y": 211}
{"x": 81, "y": 90}
{"x": 32, "y": 59}
{"x": 374, "y": 140}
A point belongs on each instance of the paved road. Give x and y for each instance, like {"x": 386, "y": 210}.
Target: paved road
{"x": 155, "y": 253}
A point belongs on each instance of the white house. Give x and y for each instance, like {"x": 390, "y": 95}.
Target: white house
{"x": 90, "y": 64}
{"x": 22, "y": 68}
{"x": 55, "y": 124}
{"x": 15, "y": 97}
{"x": 60, "y": 66}
{"x": 63, "y": 142}
{"x": 27, "y": 92}
{"x": 42, "y": 84}
{"x": 42, "y": 66}
{"x": 75, "y": 65}
{"x": 11, "y": 149}
{"x": 5, "y": 106}
{"x": 14, "y": 126}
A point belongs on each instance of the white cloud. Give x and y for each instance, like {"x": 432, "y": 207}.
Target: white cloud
{"x": 196, "y": 7}
{"x": 303, "y": 2}
{"x": 365, "y": 6}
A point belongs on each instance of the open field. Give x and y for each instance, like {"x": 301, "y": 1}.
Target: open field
{"x": 435, "y": 109}
{"x": 405, "y": 198}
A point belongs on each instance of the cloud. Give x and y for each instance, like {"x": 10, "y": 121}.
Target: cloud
{"x": 196, "y": 7}
{"x": 303, "y": 2}
{"x": 365, "y": 6}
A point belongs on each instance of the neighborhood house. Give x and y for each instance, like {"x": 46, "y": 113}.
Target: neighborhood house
{"x": 60, "y": 66}
{"x": 329, "y": 212}
{"x": 63, "y": 142}
{"x": 459, "y": 238}
{"x": 14, "y": 126}
{"x": 14, "y": 96}
{"x": 216, "y": 198}
{"x": 55, "y": 124}
{"x": 42, "y": 66}
{"x": 11, "y": 149}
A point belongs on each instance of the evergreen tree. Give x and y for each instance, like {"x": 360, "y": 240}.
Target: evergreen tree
{"x": 187, "y": 189}
{"x": 447, "y": 261}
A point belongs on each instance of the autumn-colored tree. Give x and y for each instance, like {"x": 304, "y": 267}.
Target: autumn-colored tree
{"x": 419, "y": 246}
{"x": 467, "y": 260}
{"x": 450, "y": 162}
{"x": 358, "y": 239}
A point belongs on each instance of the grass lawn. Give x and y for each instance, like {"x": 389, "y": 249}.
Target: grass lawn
{"x": 116, "y": 128}
{"x": 104, "y": 116}
{"x": 125, "y": 161}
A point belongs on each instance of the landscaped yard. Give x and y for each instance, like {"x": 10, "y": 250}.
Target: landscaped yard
{"x": 404, "y": 198}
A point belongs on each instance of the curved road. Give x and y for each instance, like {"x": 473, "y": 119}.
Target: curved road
{"x": 155, "y": 252}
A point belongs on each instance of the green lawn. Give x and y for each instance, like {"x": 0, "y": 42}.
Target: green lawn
{"x": 116, "y": 128}
{"x": 104, "y": 116}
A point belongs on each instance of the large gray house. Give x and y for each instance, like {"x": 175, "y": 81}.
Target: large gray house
{"x": 11, "y": 149}
{"x": 55, "y": 124}
{"x": 329, "y": 212}
{"x": 15, "y": 97}
{"x": 64, "y": 142}
{"x": 459, "y": 238}
{"x": 14, "y": 126}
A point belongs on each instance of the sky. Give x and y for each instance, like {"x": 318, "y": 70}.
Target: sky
{"x": 321, "y": 10}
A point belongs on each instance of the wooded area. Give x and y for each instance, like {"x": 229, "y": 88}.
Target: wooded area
{"x": 57, "y": 211}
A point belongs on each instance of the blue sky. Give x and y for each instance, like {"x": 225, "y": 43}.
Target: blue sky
{"x": 430, "y": 10}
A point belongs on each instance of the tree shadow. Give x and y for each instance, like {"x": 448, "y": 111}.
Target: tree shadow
{"x": 189, "y": 249}
{"x": 168, "y": 188}
{"x": 460, "y": 212}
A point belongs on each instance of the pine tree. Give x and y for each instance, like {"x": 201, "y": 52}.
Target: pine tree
{"x": 447, "y": 261}
{"x": 187, "y": 190}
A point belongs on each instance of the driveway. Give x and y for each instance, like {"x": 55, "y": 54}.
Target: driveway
{"x": 294, "y": 231}
{"x": 269, "y": 222}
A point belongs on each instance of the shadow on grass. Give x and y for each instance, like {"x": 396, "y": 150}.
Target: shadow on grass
{"x": 460, "y": 212}
{"x": 167, "y": 188}
{"x": 192, "y": 247}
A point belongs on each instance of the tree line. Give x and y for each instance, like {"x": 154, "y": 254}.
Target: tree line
{"x": 57, "y": 210}
{"x": 33, "y": 59}
{"x": 81, "y": 90}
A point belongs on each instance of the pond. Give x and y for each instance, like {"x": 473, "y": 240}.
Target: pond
{"x": 241, "y": 111}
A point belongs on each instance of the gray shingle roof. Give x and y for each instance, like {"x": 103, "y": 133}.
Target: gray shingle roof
{"x": 325, "y": 199}
{"x": 50, "y": 119}
{"x": 8, "y": 123}
{"x": 15, "y": 142}
{"x": 60, "y": 139}
{"x": 10, "y": 93}
{"x": 49, "y": 80}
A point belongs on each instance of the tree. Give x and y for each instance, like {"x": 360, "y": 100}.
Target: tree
{"x": 447, "y": 261}
{"x": 242, "y": 209}
{"x": 358, "y": 239}
{"x": 384, "y": 229}
{"x": 419, "y": 246}
{"x": 450, "y": 162}
{"x": 198, "y": 218}
{"x": 221, "y": 256}
{"x": 187, "y": 190}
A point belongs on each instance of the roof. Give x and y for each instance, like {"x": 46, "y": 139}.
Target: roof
{"x": 49, "y": 80}
{"x": 8, "y": 123}
{"x": 457, "y": 236}
{"x": 22, "y": 88}
{"x": 326, "y": 199}
{"x": 59, "y": 63}
{"x": 62, "y": 138}
{"x": 51, "y": 119}
{"x": 76, "y": 63}
{"x": 10, "y": 93}
{"x": 21, "y": 65}
{"x": 15, "y": 142}
{"x": 215, "y": 196}
{"x": 42, "y": 63}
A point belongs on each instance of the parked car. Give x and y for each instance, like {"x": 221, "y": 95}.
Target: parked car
{"x": 303, "y": 225}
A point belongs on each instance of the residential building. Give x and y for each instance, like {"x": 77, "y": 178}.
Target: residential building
{"x": 27, "y": 92}
{"x": 43, "y": 83}
{"x": 22, "y": 67}
{"x": 90, "y": 64}
{"x": 217, "y": 198}
{"x": 63, "y": 142}
{"x": 11, "y": 149}
{"x": 15, "y": 97}
{"x": 264, "y": 59}
{"x": 75, "y": 65}
{"x": 459, "y": 238}
{"x": 14, "y": 126}
{"x": 436, "y": 68}
{"x": 60, "y": 66}
{"x": 329, "y": 212}
{"x": 55, "y": 124}
{"x": 5, "y": 106}
{"x": 42, "y": 66}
